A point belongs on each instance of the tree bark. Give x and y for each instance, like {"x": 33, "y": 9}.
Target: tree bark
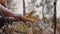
{"x": 24, "y": 12}
{"x": 54, "y": 16}
{"x": 43, "y": 12}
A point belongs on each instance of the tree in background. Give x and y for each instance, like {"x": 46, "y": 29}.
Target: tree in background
{"x": 24, "y": 12}
{"x": 54, "y": 16}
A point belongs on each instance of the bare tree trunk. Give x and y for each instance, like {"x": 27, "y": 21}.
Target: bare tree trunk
{"x": 54, "y": 16}
{"x": 24, "y": 12}
{"x": 43, "y": 12}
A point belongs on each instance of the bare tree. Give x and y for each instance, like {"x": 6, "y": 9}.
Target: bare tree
{"x": 24, "y": 12}
{"x": 43, "y": 11}
{"x": 54, "y": 16}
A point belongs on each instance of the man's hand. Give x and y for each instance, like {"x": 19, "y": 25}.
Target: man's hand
{"x": 28, "y": 18}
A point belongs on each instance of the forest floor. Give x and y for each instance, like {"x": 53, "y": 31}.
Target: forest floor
{"x": 21, "y": 28}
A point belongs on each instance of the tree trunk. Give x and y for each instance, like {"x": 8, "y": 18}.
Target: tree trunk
{"x": 24, "y": 12}
{"x": 54, "y": 16}
{"x": 43, "y": 11}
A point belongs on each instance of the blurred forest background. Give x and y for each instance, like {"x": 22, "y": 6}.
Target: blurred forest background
{"x": 44, "y": 9}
